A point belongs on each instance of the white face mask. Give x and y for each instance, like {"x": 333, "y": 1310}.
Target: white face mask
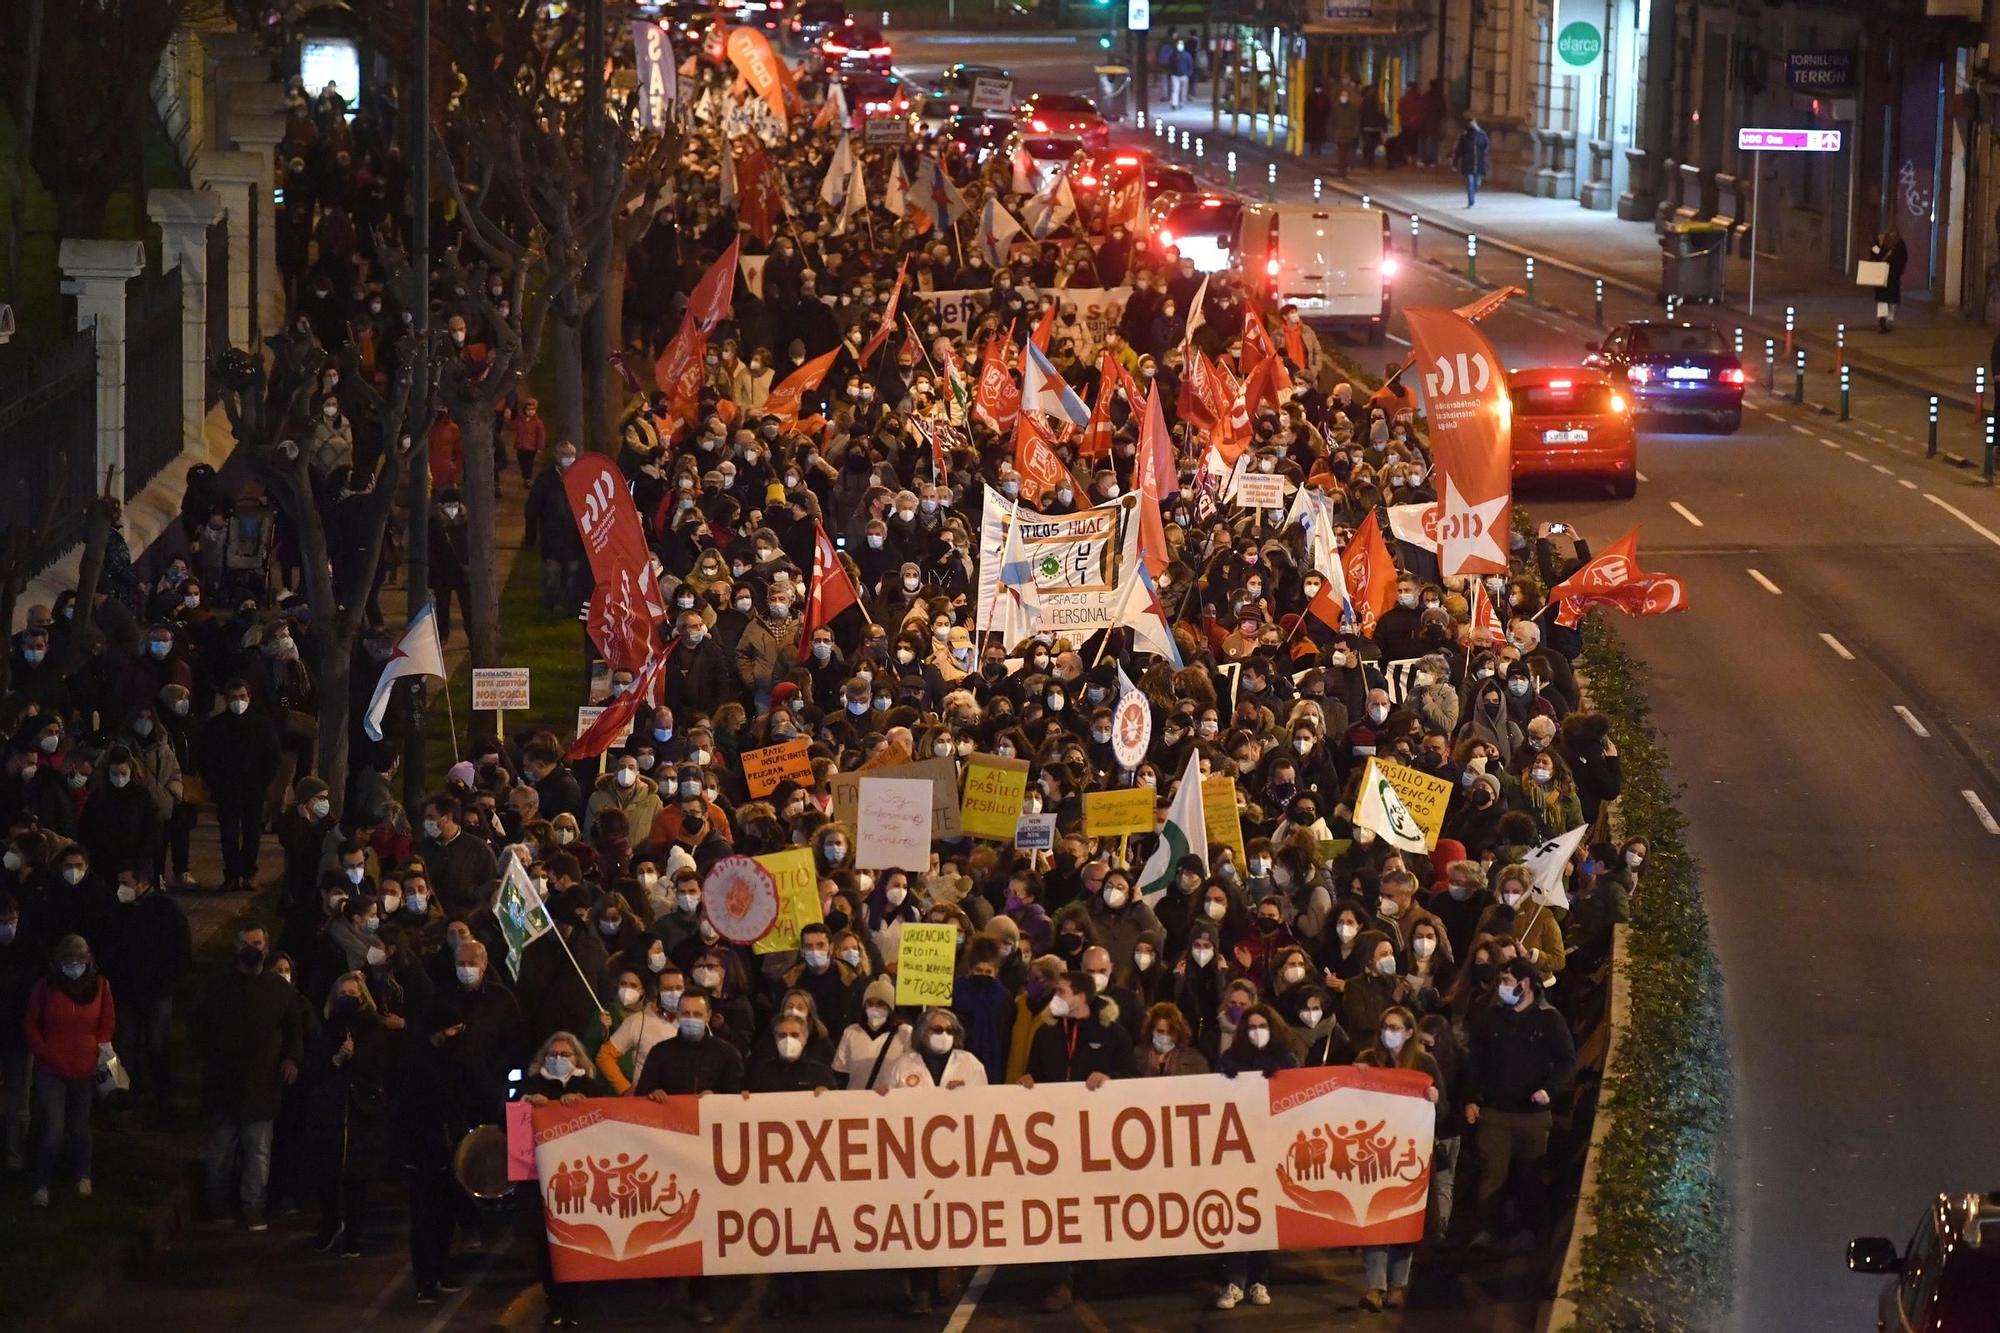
{"x": 468, "y": 976}
{"x": 1058, "y": 1007}
{"x": 1423, "y": 946}
{"x": 1386, "y": 965}
{"x": 1201, "y": 956}
{"x": 1141, "y": 961}
{"x": 629, "y": 996}
{"x": 1393, "y": 1039}
{"x": 1259, "y": 1037}
{"x": 1347, "y": 930}
{"x": 790, "y": 1048}
{"x": 1295, "y": 975}
{"x": 1216, "y": 910}
{"x": 941, "y": 1043}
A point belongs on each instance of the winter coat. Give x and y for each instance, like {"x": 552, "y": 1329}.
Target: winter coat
{"x": 640, "y": 803}
{"x": 245, "y": 1029}
{"x": 64, "y": 1032}
{"x": 1472, "y": 154}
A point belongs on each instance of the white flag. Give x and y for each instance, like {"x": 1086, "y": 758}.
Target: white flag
{"x": 417, "y": 655}
{"x": 1406, "y": 524}
{"x": 1381, "y": 808}
{"x": 997, "y": 230}
{"x": 855, "y": 203}
{"x": 896, "y": 198}
{"x": 833, "y": 188}
{"x": 1049, "y": 209}
{"x": 753, "y": 273}
{"x": 1184, "y": 834}
{"x": 1194, "y": 318}
{"x": 1017, "y": 601}
{"x": 1548, "y": 862}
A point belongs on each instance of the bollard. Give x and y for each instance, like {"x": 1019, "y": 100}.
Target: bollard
{"x": 1531, "y": 279}
{"x": 1799, "y": 376}
{"x": 1791, "y": 319}
{"x": 1600, "y": 311}
{"x": 1840, "y": 348}
{"x": 1271, "y": 181}
{"x": 1364, "y": 201}
{"x": 1986, "y": 468}
{"x": 1930, "y": 443}
{"x": 1200, "y": 150}
{"x": 1142, "y": 122}
{"x": 1673, "y": 301}
{"x": 1416, "y": 225}
{"x": 1471, "y": 257}
{"x": 1232, "y": 168}
{"x": 1979, "y": 388}
{"x": 1739, "y": 342}
{"x": 1319, "y": 189}
{"x": 1844, "y": 386}
{"x": 1770, "y": 365}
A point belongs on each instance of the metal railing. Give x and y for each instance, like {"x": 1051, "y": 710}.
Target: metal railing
{"x": 48, "y": 439}
{"x": 217, "y": 333}
{"x": 152, "y": 376}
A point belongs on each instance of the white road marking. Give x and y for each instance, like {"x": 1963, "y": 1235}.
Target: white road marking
{"x": 1911, "y": 719}
{"x": 1640, "y": 475}
{"x": 961, "y": 1314}
{"x": 1803, "y": 430}
{"x": 1838, "y": 647}
{"x": 1765, "y": 583}
{"x": 1856, "y": 457}
{"x": 1965, "y": 518}
{"x": 1688, "y": 514}
{"x": 1906, "y": 482}
{"x": 1400, "y": 342}
{"x": 1885, "y": 471}
{"x": 1986, "y": 820}
{"x": 1831, "y": 444}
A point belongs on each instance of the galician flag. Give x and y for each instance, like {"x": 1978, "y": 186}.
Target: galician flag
{"x": 419, "y": 654}
{"x": 1184, "y": 834}
{"x": 523, "y": 916}
{"x": 1381, "y": 808}
{"x": 1547, "y": 863}
{"x": 1044, "y": 390}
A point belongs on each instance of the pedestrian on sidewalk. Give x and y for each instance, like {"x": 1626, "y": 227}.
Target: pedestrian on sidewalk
{"x": 1410, "y": 119}
{"x": 69, "y": 1025}
{"x": 1346, "y": 128}
{"x": 1318, "y": 107}
{"x": 1374, "y": 125}
{"x": 1889, "y": 249}
{"x": 1179, "y": 72}
{"x": 1471, "y": 157}
{"x": 1433, "y": 123}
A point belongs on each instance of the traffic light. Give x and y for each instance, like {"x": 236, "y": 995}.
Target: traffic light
{"x": 1104, "y": 41}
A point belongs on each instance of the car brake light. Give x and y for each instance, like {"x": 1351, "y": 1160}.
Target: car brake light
{"x": 1638, "y": 374}
{"x": 1166, "y": 239}
{"x": 1618, "y": 403}
{"x": 1211, "y": 203}
{"x": 878, "y": 51}
{"x": 1086, "y": 181}
{"x": 1126, "y": 160}
{"x": 1041, "y": 127}
{"x": 1271, "y": 266}
{"x": 1563, "y": 385}
{"x": 1732, "y": 375}
{"x": 1389, "y": 267}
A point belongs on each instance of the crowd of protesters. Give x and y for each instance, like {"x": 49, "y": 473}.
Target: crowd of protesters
{"x": 365, "y": 1023}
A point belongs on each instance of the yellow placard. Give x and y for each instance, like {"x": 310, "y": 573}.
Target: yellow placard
{"x": 1224, "y": 820}
{"x": 1111, "y": 813}
{"x": 764, "y": 769}
{"x": 926, "y": 959}
{"x": 1425, "y": 795}
{"x": 798, "y": 898}
{"x": 994, "y": 788}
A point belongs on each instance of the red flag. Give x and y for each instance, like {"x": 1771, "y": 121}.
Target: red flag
{"x": 1046, "y": 329}
{"x": 1035, "y": 458}
{"x": 608, "y": 521}
{"x": 678, "y": 372}
{"x": 1127, "y": 204}
{"x": 1205, "y": 395}
{"x": 1295, "y": 343}
{"x": 1096, "y": 439}
{"x": 759, "y": 200}
{"x": 1255, "y": 335}
{"x": 708, "y": 304}
{"x": 1465, "y": 399}
{"x": 621, "y": 619}
{"x": 1157, "y": 478}
{"x": 785, "y": 399}
{"x": 888, "y": 315}
{"x": 832, "y": 590}
{"x": 1614, "y": 579}
{"x": 1324, "y": 606}
{"x": 617, "y": 715}
{"x": 1486, "y": 631}
{"x": 1370, "y": 574}
{"x": 998, "y": 397}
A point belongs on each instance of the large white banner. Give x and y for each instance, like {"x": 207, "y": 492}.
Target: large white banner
{"x": 928, "y": 1176}
{"x": 1077, "y": 560}
{"x": 1098, "y": 309}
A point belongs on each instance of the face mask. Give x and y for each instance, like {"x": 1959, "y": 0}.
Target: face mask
{"x": 1295, "y": 975}
{"x": 877, "y": 1015}
{"x": 940, "y": 1043}
{"x": 1377, "y": 713}
{"x": 693, "y": 1029}
{"x": 120, "y": 779}
{"x": 1510, "y": 995}
{"x": 790, "y": 1048}
{"x": 1059, "y": 1007}
{"x": 1635, "y": 859}
{"x": 1259, "y": 1037}
{"x": 1201, "y": 956}
{"x": 1386, "y": 965}
{"x": 1347, "y": 930}
{"x": 834, "y": 851}
{"x": 817, "y": 959}
{"x": 1517, "y": 688}
{"x": 73, "y": 971}
{"x": 468, "y": 976}
{"x": 1511, "y": 899}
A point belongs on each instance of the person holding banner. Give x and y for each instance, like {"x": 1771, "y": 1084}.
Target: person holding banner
{"x": 1387, "y": 1267}
{"x": 559, "y": 1072}
{"x": 1266, "y": 1046}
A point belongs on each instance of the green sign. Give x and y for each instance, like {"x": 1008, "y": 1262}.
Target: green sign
{"x": 1580, "y": 43}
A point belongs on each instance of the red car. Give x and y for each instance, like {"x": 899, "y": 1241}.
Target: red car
{"x": 1573, "y": 422}
{"x": 1098, "y": 174}
{"x": 1067, "y": 114}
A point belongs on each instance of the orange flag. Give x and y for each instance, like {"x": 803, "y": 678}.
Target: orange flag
{"x": 750, "y": 51}
{"x": 1157, "y": 478}
{"x": 785, "y": 399}
{"x": 1486, "y": 631}
{"x": 997, "y": 397}
{"x": 1255, "y": 335}
{"x": 1466, "y": 402}
{"x": 1370, "y": 574}
{"x": 1096, "y": 439}
{"x": 1035, "y": 458}
{"x": 759, "y": 200}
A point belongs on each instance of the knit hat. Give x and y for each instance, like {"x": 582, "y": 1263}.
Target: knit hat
{"x": 305, "y": 789}
{"x": 782, "y": 693}
{"x": 1003, "y": 929}
{"x": 880, "y": 991}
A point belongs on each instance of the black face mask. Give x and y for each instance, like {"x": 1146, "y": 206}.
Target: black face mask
{"x": 250, "y": 958}
{"x": 1484, "y": 972}
{"x": 1069, "y": 946}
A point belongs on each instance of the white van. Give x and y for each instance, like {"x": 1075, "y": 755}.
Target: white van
{"x": 1330, "y": 260}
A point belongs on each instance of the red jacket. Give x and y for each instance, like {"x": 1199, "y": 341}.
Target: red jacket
{"x": 64, "y": 1035}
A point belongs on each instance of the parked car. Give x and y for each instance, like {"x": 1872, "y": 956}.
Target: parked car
{"x": 857, "y": 48}
{"x": 814, "y": 19}
{"x": 1674, "y": 369}
{"x": 1039, "y": 158}
{"x": 1098, "y": 174}
{"x": 1570, "y": 421}
{"x": 1947, "y": 1279}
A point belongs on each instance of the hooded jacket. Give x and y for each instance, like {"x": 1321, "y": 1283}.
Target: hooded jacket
{"x": 640, "y": 803}
{"x": 1070, "y": 1050}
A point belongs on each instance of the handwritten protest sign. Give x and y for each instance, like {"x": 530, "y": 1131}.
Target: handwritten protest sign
{"x": 1225, "y": 821}
{"x": 1425, "y": 796}
{"x": 1106, "y": 814}
{"x": 994, "y": 787}
{"x": 798, "y": 898}
{"x": 764, "y": 769}
{"x": 926, "y": 958}
{"x": 942, "y": 774}
{"x": 892, "y": 824}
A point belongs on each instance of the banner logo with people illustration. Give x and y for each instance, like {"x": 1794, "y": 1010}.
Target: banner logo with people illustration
{"x": 927, "y": 1177}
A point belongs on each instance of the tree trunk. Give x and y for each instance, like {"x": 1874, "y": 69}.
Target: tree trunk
{"x": 482, "y": 629}
{"x": 336, "y": 666}
{"x": 596, "y": 368}
{"x": 570, "y": 414}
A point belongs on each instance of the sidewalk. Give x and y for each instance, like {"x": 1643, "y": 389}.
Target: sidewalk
{"x": 1931, "y": 351}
